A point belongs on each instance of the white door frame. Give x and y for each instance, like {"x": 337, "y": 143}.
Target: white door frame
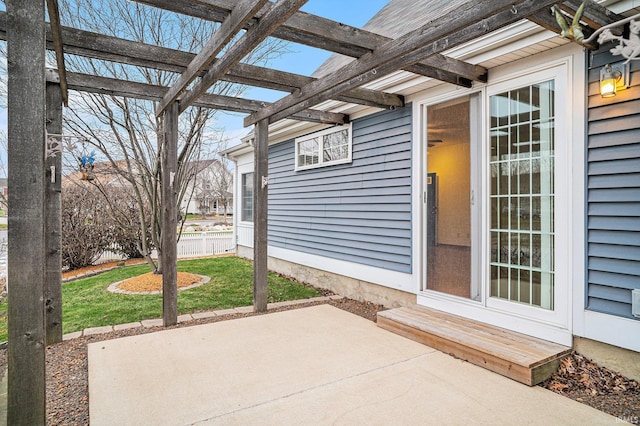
{"x": 551, "y": 325}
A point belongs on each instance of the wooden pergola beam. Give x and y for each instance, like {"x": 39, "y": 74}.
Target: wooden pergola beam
{"x": 26, "y": 253}
{"x": 169, "y": 209}
{"x": 239, "y": 16}
{"x": 53, "y": 216}
{"x": 130, "y": 89}
{"x": 260, "y": 216}
{"x": 455, "y": 28}
{"x": 333, "y": 36}
{"x": 270, "y": 21}
{"x": 56, "y": 33}
{"x": 290, "y": 82}
{"x": 99, "y": 46}
{"x": 547, "y": 20}
{"x": 594, "y": 14}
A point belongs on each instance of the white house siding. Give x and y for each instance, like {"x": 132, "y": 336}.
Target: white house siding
{"x": 358, "y": 212}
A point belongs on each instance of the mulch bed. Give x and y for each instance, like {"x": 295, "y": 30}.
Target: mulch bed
{"x": 94, "y": 269}
{"x": 67, "y": 382}
{"x": 584, "y": 381}
{"x": 153, "y": 282}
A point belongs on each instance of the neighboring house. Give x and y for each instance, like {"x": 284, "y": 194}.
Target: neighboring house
{"x": 515, "y": 202}
{"x": 102, "y": 173}
{"x": 211, "y": 189}
{"x": 4, "y": 194}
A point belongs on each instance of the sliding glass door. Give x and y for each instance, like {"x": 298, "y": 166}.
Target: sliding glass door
{"x": 496, "y": 205}
{"x": 451, "y": 240}
{"x": 522, "y": 123}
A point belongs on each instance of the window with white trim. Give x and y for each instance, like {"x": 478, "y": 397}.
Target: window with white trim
{"x": 324, "y": 148}
{"x": 247, "y": 198}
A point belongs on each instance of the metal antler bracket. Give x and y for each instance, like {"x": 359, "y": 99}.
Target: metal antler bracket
{"x": 56, "y": 143}
{"x": 627, "y": 48}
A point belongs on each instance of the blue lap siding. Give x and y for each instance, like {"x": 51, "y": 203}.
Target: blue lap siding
{"x": 613, "y": 193}
{"x": 358, "y": 212}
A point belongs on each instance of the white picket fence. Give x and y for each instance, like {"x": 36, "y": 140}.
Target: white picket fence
{"x": 194, "y": 244}
{"x": 205, "y": 243}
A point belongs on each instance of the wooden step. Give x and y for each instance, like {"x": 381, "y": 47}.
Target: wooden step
{"x": 520, "y": 357}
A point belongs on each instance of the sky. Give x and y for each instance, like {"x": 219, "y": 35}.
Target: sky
{"x": 303, "y": 59}
{"x": 300, "y": 59}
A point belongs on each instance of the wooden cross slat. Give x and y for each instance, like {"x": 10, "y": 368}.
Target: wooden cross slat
{"x": 56, "y": 32}
{"x": 239, "y": 16}
{"x": 452, "y": 29}
{"x": 130, "y": 89}
{"x": 100, "y": 46}
{"x": 333, "y": 36}
{"x": 277, "y": 14}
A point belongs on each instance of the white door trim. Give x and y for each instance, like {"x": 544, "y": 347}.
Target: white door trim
{"x": 556, "y": 326}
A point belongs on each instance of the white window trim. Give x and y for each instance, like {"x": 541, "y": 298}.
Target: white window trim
{"x": 319, "y": 135}
{"x": 562, "y": 211}
{"x": 241, "y": 191}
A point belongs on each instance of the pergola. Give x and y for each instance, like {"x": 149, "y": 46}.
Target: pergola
{"x": 36, "y": 97}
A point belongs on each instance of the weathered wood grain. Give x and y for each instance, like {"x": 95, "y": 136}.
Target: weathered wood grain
{"x": 242, "y": 12}
{"x": 169, "y": 262}
{"x": 269, "y": 22}
{"x": 546, "y": 20}
{"x": 131, "y": 89}
{"x": 333, "y": 36}
{"x": 514, "y": 355}
{"x": 99, "y": 46}
{"x": 56, "y": 34}
{"x": 53, "y": 220}
{"x": 26, "y": 259}
{"x": 594, "y": 14}
{"x": 260, "y": 216}
{"x": 290, "y": 82}
{"x": 471, "y": 21}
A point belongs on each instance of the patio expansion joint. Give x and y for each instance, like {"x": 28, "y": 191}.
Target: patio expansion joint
{"x": 319, "y": 386}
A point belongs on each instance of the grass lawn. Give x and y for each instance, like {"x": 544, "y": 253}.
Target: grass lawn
{"x": 87, "y": 303}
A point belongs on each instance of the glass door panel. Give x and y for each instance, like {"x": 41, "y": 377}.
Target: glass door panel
{"x": 522, "y": 195}
{"x": 449, "y": 210}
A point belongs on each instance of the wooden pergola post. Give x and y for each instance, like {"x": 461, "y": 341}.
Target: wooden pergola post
{"x": 53, "y": 219}
{"x": 169, "y": 216}
{"x": 26, "y": 257}
{"x": 260, "y": 215}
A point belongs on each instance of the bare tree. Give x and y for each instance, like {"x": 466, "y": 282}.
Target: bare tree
{"x": 3, "y": 168}
{"x": 220, "y": 179}
{"x": 125, "y": 132}
{"x": 212, "y": 186}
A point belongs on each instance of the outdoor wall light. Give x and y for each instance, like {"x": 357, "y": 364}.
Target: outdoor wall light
{"x": 613, "y": 78}
{"x": 608, "y": 79}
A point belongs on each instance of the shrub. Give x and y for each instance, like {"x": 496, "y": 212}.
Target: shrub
{"x": 86, "y": 226}
{"x": 126, "y": 228}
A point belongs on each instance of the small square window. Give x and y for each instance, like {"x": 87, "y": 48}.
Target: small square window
{"x": 308, "y": 152}
{"x": 324, "y": 148}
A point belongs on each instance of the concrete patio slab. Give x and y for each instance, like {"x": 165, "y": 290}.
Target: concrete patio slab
{"x": 316, "y": 365}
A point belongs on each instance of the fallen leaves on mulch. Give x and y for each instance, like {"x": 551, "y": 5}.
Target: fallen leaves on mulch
{"x": 153, "y": 282}
{"x": 580, "y": 379}
{"x": 578, "y": 372}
